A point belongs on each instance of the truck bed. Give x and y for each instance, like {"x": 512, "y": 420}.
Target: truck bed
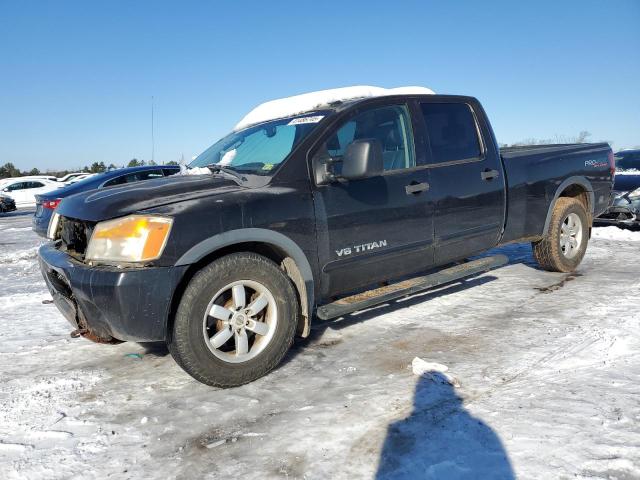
{"x": 535, "y": 176}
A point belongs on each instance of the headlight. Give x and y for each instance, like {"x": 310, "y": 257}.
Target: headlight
{"x": 635, "y": 194}
{"x": 136, "y": 238}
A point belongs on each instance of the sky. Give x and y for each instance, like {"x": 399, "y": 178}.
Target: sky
{"x": 77, "y": 78}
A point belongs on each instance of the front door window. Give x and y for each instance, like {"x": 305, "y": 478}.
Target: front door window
{"x": 389, "y": 125}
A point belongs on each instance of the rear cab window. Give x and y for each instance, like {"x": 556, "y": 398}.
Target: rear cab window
{"x": 452, "y": 131}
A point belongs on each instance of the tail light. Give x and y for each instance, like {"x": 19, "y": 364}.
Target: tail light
{"x": 51, "y": 204}
{"x": 612, "y": 164}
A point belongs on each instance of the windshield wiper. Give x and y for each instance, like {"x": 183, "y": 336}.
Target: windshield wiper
{"x": 215, "y": 168}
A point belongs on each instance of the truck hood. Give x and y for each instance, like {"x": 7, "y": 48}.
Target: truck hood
{"x": 113, "y": 202}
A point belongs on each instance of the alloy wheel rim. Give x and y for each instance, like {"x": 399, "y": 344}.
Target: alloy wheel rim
{"x": 240, "y": 321}
{"x": 571, "y": 235}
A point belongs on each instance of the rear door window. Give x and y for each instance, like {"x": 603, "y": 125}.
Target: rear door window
{"x": 146, "y": 175}
{"x": 452, "y": 131}
{"x": 116, "y": 181}
{"x": 135, "y": 177}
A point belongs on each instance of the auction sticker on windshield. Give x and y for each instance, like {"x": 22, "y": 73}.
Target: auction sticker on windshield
{"x": 301, "y": 120}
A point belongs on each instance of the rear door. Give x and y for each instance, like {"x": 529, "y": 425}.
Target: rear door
{"x": 466, "y": 178}
{"x": 35, "y": 188}
{"x": 375, "y": 228}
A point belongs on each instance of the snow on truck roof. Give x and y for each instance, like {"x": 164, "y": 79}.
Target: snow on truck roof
{"x": 308, "y": 102}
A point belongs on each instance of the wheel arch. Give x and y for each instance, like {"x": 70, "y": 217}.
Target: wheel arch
{"x": 576, "y": 187}
{"x": 273, "y": 245}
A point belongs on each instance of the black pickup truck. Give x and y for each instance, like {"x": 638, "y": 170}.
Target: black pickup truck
{"x": 305, "y": 216}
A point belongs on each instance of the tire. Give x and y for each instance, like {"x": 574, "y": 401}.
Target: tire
{"x": 556, "y": 252}
{"x": 212, "y": 291}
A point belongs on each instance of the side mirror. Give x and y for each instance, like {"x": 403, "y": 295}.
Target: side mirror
{"x": 362, "y": 159}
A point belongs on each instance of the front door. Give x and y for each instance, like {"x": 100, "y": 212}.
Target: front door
{"x": 18, "y": 191}
{"x": 467, "y": 180}
{"x": 376, "y": 228}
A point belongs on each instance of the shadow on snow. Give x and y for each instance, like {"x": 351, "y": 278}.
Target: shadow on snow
{"x": 440, "y": 439}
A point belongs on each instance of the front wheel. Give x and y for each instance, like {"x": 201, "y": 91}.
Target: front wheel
{"x": 235, "y": 322}
{"x": 564, "y": 247}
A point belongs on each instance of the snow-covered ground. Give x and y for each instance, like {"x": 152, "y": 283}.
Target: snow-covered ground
{"x": 542, "y": 381}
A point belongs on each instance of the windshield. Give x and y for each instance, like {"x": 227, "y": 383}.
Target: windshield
{"x": 258, "y": 150}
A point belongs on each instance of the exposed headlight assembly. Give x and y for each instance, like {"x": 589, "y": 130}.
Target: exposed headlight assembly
{"x": 52, "y": 230}
{"x": 131, "y": 239}
{"x": 635, "y": 194}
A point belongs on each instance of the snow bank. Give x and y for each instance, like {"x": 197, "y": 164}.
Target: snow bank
{"x": 17, "y": 256}
{"x": 185, "y": 170}
{"x": 615, "y": 233}
{"x": 307, "y": 102}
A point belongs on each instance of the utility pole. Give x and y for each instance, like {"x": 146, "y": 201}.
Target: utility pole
{"x": 153, "y": 144}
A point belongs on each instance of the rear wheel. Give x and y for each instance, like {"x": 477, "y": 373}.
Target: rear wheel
{"x": 236, "y": 320}
{"x": 564, "y": 247}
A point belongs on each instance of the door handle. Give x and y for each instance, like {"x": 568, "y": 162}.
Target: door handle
{"x": 489, "y": 174}
{"x": 415, "y": 188}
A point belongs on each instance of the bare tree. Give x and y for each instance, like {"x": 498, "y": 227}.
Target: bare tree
{"x": 582, "y": 136}
{"x": 557, "y": 138}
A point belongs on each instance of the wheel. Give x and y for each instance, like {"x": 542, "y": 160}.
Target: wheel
{"x": 235, "y": 321}
{"x": 564, "y": 247}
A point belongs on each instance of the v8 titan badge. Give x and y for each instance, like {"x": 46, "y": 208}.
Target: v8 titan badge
{"x": 361, "y": 248}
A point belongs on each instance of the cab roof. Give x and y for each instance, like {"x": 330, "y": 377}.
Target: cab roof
{"x": 320, "y": 100}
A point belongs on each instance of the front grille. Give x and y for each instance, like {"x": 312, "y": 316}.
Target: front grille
{"x": 7, "y": 204}
{"x": 75, "y": 236}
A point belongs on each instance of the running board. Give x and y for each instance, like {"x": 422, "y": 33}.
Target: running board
{"x": 380, "y": 295}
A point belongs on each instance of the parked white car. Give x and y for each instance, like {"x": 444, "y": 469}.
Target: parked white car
{"x": 53, "y": 178}
{"x": 78, "y": 178}
{"x": 73, "y": 177}
{"x": 24, "y": 189}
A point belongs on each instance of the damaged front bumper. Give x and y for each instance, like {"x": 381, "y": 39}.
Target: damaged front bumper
{"x": 623, "y": 211}
{"x": 108, "y": 304}
{"x": 7, "y": 205}
{"x": 617, "y": 216}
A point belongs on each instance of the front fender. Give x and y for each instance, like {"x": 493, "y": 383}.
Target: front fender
{"x": 261, "y": 235}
